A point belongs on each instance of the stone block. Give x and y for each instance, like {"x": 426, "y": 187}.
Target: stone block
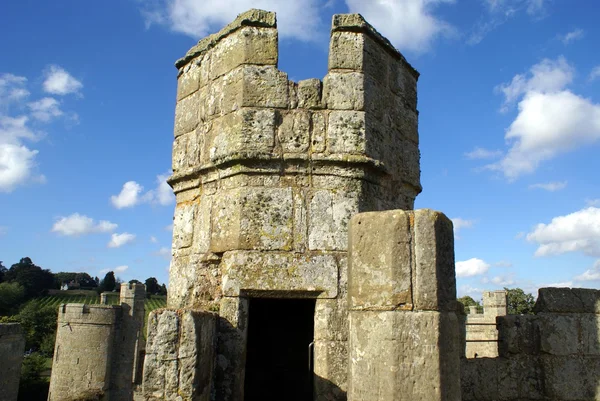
{"x": 570, "y": 378}
{"x": 310, "y": 94}
{"x": 397, "y": 355}
{"x": 194, "y": 282}
{"x": 319, "y": 132}
{"x": 434, "y": 278}
{"x": 589, "y": 335}
{"x": 265, "y": 86}
{"x": 252, "y": 218}
{"x": 294, "y": 131}
{"x": 328, "y": 216}
{"x": 403, "y": 82}
{"x": 344, "y": 91}
{"x": 186, "y": 114}
{"x": 331, "y": 370}
{"x": 517, "y": 334}
{"x": 567, "y": 300}
{"x": 180, "y": 355}
{"x": 346, "y": 132}
{"x": 183, "y": 225}
{"x": 346, "y": 51}
{"x": 331, "y": 319}
{"x": 243, "y": 134}
{"x": 12, "y": 347}
{"x": 248, "y": 273}
{"x": 247, "y": 45}
{"x": 188, "y": 81}
{"x": 380, "y": 253}
{"x": 559, "y": 335}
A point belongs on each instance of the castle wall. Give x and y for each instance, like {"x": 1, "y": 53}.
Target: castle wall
{"x": 552, "y": 355}
{"x": 404, "y": 337}
{"x": 83, "y": 351}
{"x": 267, "y": 173}
{"x": 12, "y": 346}
{"x": 180, "y": 356}
{"x": 481, "y": 330}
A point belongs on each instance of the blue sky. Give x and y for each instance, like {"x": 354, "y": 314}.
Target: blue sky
{"x": 509, "y": 127}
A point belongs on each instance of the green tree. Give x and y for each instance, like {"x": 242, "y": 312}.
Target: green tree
{"x": 3, "y": 271}
{"x": 35, "y": 280}
{"x": 39, "y": 326}
{"x": 11, "y": 297}
{"x": 519, "y": 302}
{"x": 83, "y": 279}
{"x": 152, "y": 286}
{"x": 33, "y": 386}
{"x": 468, "y": 301}
{"x": 108, "y": 283}
{"x": 163, "y": 290}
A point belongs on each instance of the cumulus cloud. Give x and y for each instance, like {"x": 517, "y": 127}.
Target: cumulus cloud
{"x": 459, "y": 223}
{"x": 482, "y": 153}
{"x": 592, "y": 274}
{"x": 471, "y": 267}
{"x": 409, "y": 24}
{"x": 575, "y": 232}
{"x": 164, "y": 252}
{"x": 153, "y": 239}
{"x": 12, "y": 88}
{"x": 77, "y": 224}
{"x": 571, "y": 36}
{"x": 503, "y": 263}
{"x": 116, "y": 270}
{"x": 133, "y": 194}
{"x": 169, "y": 227}
{"x": 503, "y": 281}
{"x": 297, "y": 19}
{"x": 471, "y": 291}
{"x": 549, "y": 186}
{"x": 551, "y": 119}
{"x": 592, "y": 202}
{"x": 45, "y": 109}
{"x": 59, "y": 82}
{"x": 118, "y": 240}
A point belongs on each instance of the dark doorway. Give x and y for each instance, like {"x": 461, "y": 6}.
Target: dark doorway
{"x": 280, "y": 332}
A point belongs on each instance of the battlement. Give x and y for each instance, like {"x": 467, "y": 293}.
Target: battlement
{"x": 88, "y": 314}
{"x": 136, "y": 291}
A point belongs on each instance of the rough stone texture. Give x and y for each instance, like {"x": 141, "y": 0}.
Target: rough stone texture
{"x": 12, "y": 346}
{"x": 400, "y": 262}
{"x": 180, "y": 355}
{"x": 268, "y": 172}
{"x": 480, "y": 328}
{"x": 397, "y": 355}
{"x": 98, "y": 348}
{"x": 553, "y": 355}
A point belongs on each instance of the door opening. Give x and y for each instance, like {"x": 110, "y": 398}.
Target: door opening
{"x": 279, "y": 350}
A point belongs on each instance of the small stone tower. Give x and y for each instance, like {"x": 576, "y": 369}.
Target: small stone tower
{"x": 97, "y": 348}
{"x": 267, "y": 173}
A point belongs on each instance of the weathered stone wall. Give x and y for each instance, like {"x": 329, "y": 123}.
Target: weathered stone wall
{"x": 481, "y": 331}
{"x": 83, "y": 351}
{"x": 404, "y": 337}
{"x": 267, "y": 173}
{"x": 97, "y": 348}
{"x": 12, "y": 346}
{"x": 180, "y": 355}
{"x": 552, "y": 355}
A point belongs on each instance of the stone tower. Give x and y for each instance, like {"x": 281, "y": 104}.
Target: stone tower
{"x": 267, "y": 174}
{"x": 97, "y": 348}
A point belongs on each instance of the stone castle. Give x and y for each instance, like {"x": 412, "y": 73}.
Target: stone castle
{"x": 300, "y": 270}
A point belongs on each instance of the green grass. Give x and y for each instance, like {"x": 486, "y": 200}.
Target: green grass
{"x": 154, "y": 302}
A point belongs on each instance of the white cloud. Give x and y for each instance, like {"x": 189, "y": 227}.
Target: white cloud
{"x": 592, "y": 202}
{"x": 408, "y": 24}
{"x": 571, "y": 36}
{"x": 45, "y": 109}
{"x": 595, "y": 73}
{"x": 592, "y": 274}
{"x": 12, "y": 89}
{"x": 503, "y": 281}
{"x": 575, "y": 232}
{"x": 129, "y": 195}
{"x": 132, "y": 194}
{"x": 164, "y": 252}
{"x": 550, "y": 186}
{"x": 473, "y": 292}
{"x": 77, "y": 224}
{"x": 471, "y": 267}
{"x": 59, "y": 82}
{"x": 551, "y": 119}
{"x": 295, "y": 19}
{"x": 545, "y": 77}
{"x": 481, "y": 153}
{"x": 169, "y": 227}
{"x": 561, "y": 284}
{"x": 118, "y": 269}
{"x": 459, "y": 223}
{"x": 503, "y": 263}
{"x": 16, "y": 165}
{"x": 153, "y": 239}
{"x": 118, "y": 240}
